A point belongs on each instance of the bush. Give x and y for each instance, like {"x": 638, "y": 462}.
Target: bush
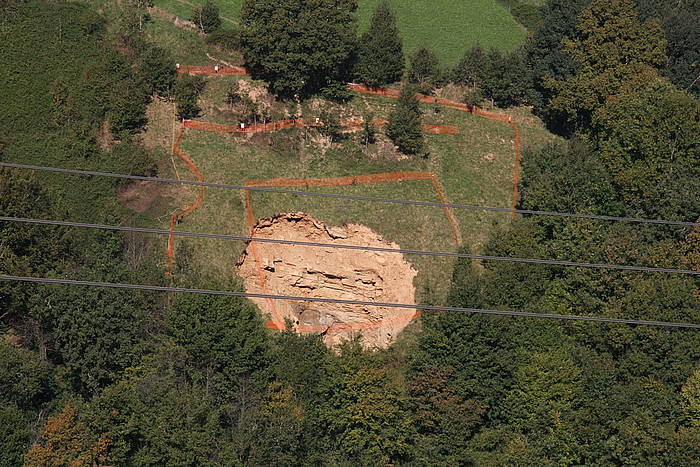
{"x": 186, "y": 92}
{"x": 473, "y": 97}
{"x": 207, "y": 17}
{"x": 404, "y": 127}
{"x": 330, "y": 124}
{"x": 225, "y": 39}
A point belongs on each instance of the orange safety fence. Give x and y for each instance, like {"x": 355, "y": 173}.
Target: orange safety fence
{"x": 350, "y": 125}
{"x": 259, "y": 128}
{"x": 175, "y": 218}
{"x": 395, "y": 93}
{"x": 277, "y": 322}
{"x": 212, "y": 70}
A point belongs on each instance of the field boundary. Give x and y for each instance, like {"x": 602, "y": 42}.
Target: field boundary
{"x": 349, "y": 125}
{"x": 394, "y": 94}
{"x": 499, "y": 117}
{"x": 352, "y": 125}
{"x": 277, "y": 322}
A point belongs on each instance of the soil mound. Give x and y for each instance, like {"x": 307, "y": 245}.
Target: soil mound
{"x": 329, "y": 273}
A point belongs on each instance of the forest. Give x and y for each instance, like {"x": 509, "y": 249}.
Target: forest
{"x": 110, "y": 376}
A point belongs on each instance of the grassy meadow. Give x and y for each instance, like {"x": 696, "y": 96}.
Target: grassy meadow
{"x": 474, "y": 167}
{"x": 446, "y": 26}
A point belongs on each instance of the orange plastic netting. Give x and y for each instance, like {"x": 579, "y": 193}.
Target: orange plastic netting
{"x": 277, "y": 322}
{"x": 175, "y": 218}
{"x": 506, "y": 118}
{"x": 212, "y": 70}
{"x": 349, "y": 125}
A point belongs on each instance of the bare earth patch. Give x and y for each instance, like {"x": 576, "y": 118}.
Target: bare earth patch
{"x": 329, "y": 273}
{"x": 141, "y": 195}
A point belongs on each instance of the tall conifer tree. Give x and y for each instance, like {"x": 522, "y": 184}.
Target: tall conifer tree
{"x": 405, "y": 122}
{"x": 381, "y": 59}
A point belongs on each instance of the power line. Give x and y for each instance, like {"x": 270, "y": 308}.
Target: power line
{"x": 352, "y": 197}
{"x": 349, "y": 247}
{"x": 157, "y": 288}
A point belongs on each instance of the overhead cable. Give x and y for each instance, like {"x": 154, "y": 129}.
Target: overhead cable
{"x": 347, "y": 247}
{"x": 352, "y": 197}
{"x": 157, "y": 288}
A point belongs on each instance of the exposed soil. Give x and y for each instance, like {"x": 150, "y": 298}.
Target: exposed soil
{"x": 141, "y": 195}
{"x": 330, "y": 273}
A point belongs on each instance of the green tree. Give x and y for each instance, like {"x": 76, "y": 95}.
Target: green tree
{"x": 690, "y": 395}
{"x": 506, "y": 79}
{"x": 158, "y": 70}
{"x": 163, "y": 413}
{"x": 683, "y": 34}
{"x": 471, "y": 67}
{"x": 128, "y": 106}
{"x": 424, "y": 69}
{"x": 380, "y": 59}
{"x": 298, "y": 46}
{"x": 186, "y": 92}
{"x": 545, "y": 57}
{"x": 366, "y": 414}
{"x": 641, "y": 133}
{"x": 206, "y": 17}
{"x": 404, "y": 127}
{"x": 26, "y": 249}
{"x": 612, "y": 49}
{"x": 94, "y": 333}
{"x": 226, "y": 339}
{"x": 567, "y": 178}
{"x": 445, "y": 420}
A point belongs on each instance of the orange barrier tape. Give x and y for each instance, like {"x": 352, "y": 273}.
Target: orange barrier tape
{"x": 350, "y": 125}
{"x": 212, "y": 70}
{"x": 175, "y": 218}
{"x": 353, "y": 125}
{"x": 277, "y": 322}
{"x": 395, "y": 93}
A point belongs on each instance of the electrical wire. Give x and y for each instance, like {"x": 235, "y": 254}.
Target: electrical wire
{"x": 349, "y": 247}
{"x": 156, "y": 288}
{"x": 352, "y": 197}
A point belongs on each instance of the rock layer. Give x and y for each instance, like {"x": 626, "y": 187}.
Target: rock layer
{"x": 329, "y": 273}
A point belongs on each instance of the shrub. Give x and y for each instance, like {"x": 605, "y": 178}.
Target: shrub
{"x": 404, "y": 127}
{"x": 206, "y": 17}
{"x": 225, "y": 39}
{"x": 186, "y": 92}
{"x": 473, "y": 97}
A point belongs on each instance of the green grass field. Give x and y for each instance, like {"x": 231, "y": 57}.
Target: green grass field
{"x": 474, "y": 167}
{"x": 448, "y": 27}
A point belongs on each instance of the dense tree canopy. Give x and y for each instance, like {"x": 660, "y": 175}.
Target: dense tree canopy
{"x": 612, "y": 48}
{"x": 299, "y": 46}
{"x": 109, "y": 376}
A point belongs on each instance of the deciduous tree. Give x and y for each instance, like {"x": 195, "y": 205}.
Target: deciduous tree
{"x": 612, "y": 48}
{"x": 299, "y": 46}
